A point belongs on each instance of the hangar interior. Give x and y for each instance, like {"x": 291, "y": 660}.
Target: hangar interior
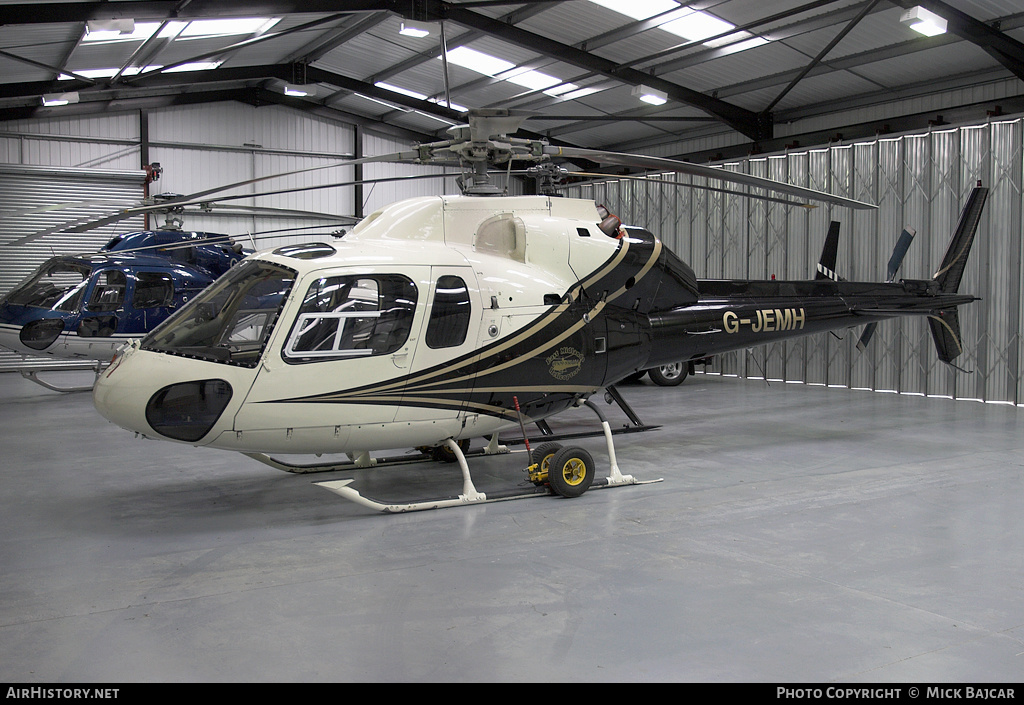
{"x": 826, "y": 513}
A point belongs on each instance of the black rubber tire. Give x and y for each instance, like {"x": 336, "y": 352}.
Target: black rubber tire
{"x": 543, "y": 452}
{"x": 571, "y": 471}
{"x": 669, "y": 375}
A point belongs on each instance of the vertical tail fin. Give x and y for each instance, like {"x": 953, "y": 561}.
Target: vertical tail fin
{"x": 951, "y": 271}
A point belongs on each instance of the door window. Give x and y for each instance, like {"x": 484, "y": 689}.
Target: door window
{"x": 153, "y": 290}
{"x": 449, "y": 313}
{"x": 108, "y": 292}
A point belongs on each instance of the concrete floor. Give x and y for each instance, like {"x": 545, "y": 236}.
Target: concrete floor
{"x": 801, "y": 534}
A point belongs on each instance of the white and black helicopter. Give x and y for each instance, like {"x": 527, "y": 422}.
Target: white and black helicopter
{"x": 441, "y": 319}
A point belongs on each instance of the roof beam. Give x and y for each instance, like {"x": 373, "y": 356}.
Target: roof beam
{"x": 749, "y": 123}
{"x": 32, "y": 13}
{"x": 1001, "y": 47}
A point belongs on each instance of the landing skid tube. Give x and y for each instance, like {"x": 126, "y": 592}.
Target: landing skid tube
{"x": 470, "y": 495}
{"x": 32, "y": 375}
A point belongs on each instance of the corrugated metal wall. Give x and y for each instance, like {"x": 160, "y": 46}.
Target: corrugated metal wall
{"x": 920, "y": 180}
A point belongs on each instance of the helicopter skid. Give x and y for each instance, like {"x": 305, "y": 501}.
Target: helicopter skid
{"x": 344, "y": 489}
{"x": 470, "y": 495}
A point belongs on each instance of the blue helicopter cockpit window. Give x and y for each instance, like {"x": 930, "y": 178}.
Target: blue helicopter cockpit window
{"x": 57, "y": 286}
{"x": 231, "y": 320}
{"x": 352, "y": 316}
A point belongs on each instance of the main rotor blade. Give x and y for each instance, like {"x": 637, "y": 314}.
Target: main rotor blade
{"x": 85, "y": 224}
{"x": 645, "y": 162}
{"x": 610, "y": 177}
{"x": 393, "y": 157}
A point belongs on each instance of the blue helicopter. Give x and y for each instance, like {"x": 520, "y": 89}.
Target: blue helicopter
{"x": 86, "y": 306}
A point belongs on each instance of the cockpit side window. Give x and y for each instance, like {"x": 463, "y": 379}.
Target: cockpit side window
{"x": 352, "y": 316}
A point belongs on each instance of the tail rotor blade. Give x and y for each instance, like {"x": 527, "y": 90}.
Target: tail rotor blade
{"x": 895, "y": 260}
{"x": 899, "y": 252}
{"x": 865, "y": 337}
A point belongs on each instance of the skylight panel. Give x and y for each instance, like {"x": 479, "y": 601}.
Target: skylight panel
{"x": 736, "y": 46}
{"x": 561, "y": 88}
{"x": 198, "y": 29}
{"x": 696, "y": 26}
{"x": 478, "y": 61}
{"x": 581, "y": 93}
{"x": 638, "y": 9}
{"x": 194, "y": 66}
{"x": 534, "y": 80}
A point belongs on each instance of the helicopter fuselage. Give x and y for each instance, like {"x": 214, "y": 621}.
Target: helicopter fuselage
{"x": 449, "y": 318}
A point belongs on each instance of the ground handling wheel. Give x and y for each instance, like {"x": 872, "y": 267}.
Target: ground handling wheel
{"x": 570, "y": 471}
{"x": 540, "y": 461}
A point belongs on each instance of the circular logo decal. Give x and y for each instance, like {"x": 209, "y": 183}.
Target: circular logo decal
{"x": 565, "y": 363}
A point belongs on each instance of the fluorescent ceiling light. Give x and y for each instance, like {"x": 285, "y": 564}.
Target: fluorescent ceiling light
{"x": 300, "y": 90}
{"x": 136, "y": 32}
{"x": 638, "y": 9}
{"x": 125, "y": 26}
{"x": 650, "y": 95}
{"x": 51, "y": 99}
{"x": 417, "y": 30}
{"x": 696, "y": 26}
{"x": 478, "y": 61}
{"x": 924, "y": 21}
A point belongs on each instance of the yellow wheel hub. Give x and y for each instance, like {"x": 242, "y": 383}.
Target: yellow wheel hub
{"x": 574, "y": 471}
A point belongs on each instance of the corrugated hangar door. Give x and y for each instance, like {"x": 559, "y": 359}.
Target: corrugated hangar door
{"x": 34, "y": 199}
